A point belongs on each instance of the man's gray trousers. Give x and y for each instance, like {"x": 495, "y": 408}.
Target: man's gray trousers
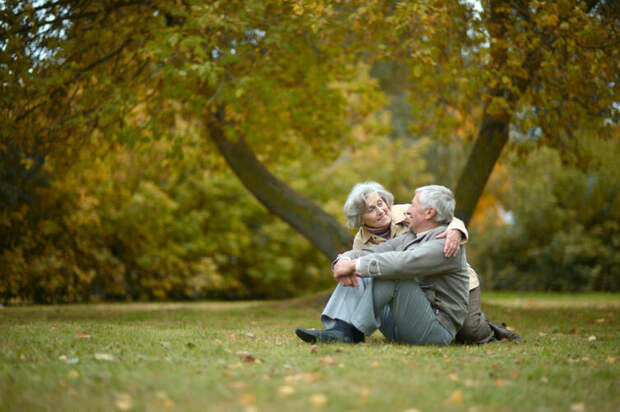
{"x": 398, "y": 308}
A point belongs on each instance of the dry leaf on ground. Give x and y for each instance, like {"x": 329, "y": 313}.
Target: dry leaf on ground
{"x": 303, "y": 377}
{"x": 286, "y": 390}
{"x": 80, "y": 334}
{"x": 318, "y": 400}
{"x": 455, "y": 398}
{"x": 123, "y": 401}
{"x": 328, "y": 360}
{"x": 247, "y": 398}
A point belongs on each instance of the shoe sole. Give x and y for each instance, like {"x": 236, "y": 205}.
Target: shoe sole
{"x": 305, "y": 336}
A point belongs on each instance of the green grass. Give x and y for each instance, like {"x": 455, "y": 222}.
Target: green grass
{"x": 245, "y": 356}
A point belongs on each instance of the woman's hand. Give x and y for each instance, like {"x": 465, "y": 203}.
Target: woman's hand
{"x": 453, "y": 241}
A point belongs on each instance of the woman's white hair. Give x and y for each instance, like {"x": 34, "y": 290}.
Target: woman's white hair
{"x": 439, "y": 198}
{"x": 355, "y": 206}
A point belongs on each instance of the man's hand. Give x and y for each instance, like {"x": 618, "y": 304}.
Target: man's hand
{"x": 344, "y": 272}
{"x": 453, "y": 241}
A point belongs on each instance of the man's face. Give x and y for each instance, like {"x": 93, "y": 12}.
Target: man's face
{"x": 377, "y": 212}
{"x": 418, "y": 216}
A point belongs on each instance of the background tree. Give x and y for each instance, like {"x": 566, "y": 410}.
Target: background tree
{"x": 268, "y": 83}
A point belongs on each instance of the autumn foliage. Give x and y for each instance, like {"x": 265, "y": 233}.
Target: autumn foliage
{"x": 117, "y": 118}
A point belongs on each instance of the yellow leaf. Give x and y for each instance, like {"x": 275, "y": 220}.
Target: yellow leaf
{"x": 303, "y": 377}
{"x": 286, "y": 390}
{"x": 318, "y": 400}
{"x": 455, "y": 398}
{"x": 247, "y": 398}
{"x": 453, "y": 377}
{"x": 123, "y": 401}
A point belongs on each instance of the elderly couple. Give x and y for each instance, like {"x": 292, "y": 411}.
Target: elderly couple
{"x": 407, "y": 274}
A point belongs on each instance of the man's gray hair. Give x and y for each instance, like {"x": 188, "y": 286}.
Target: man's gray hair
{"x": 355, "y": 206}
{"x": 439, "y": 198}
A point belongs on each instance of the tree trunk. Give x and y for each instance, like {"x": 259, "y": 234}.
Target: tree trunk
{"x": 492, "y": 137}
{"x": 305, "y": 216}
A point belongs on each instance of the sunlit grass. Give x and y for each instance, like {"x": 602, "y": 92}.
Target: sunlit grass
{"x": 245, "y": 356}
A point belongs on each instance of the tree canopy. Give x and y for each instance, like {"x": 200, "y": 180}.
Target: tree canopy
{"x": 264, "y": 84}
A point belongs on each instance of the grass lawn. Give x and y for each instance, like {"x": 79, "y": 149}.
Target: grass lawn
{"x": 245, "y": 357}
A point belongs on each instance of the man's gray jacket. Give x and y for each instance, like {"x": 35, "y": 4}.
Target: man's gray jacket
{"x": 445, "y": 281}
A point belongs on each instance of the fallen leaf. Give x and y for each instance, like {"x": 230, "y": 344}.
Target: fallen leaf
{"x": 578, "y": 407}
{"x": 573, "y": 331}
{"x": 542, "y": 334}
{"x": 165, "y": 344}
{"x": 248, "y": 357}
{"x": 73, "y": 374}
{"x": 80, "y": 334}
{"x": 364, "y": 391}
{"x": 164, "y": 400}
{"x": 239, "y": 385}
{"x": 123, "y": 401}
{"x": 375, "y": 364}
{"x": 62, "y": 358}
{"x": 500, "y": 383}
{"x": 318, "y": 400}
{"x": 412, "y": 410}
{"x": 453, "y": 377}
{"x": 591, "y": 338}
{"x": 286, "y": 390}
{"x": 303, "y": 377}
{"x": 610, "y": 360}
{"x": 600, "y": 320}
{"x": 104, "y": 357}
{"x": 469, "y": 383}
{"x": 328, "y": 360}
{"x": 314, "y": 348}
{"x": 235, "y": 365}
{"x": 455, "y": 398}
{"x": 544, "y": 379}
{"x": 247, "y": 398}
{"x": 231, "y": 336}
{"x": 250, "y": 335}
{"x": 514, "y": 374}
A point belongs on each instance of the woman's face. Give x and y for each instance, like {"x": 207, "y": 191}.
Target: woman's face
{"x": 377, "y": 212}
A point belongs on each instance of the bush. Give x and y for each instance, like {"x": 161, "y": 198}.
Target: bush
{"x": 563, "y": 231}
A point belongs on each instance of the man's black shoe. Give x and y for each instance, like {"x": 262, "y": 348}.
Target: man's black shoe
{"x": 324, "y": 335}
{"x": 502, "y": 332}
{"x": 341, "y": 332}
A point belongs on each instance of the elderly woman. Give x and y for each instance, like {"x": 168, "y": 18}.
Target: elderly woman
{"x": 370, "y": 207}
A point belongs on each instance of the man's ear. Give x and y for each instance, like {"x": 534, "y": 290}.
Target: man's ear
{"x": 430, "y": 213}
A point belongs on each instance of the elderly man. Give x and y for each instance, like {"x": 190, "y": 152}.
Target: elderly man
{"x": 417, "y": 296}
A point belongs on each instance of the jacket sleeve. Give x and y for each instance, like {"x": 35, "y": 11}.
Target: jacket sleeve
{"x": 427, "y": 259}
{"x": 388, "y": 245}
{"x": 458, "y": 224}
